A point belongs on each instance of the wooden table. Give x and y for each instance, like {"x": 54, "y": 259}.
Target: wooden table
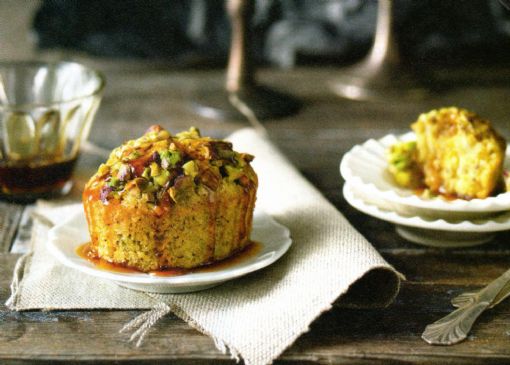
{"x": 314, "y": 140}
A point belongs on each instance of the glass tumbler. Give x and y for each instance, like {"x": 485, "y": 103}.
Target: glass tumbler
{"x": 46, "y": 111}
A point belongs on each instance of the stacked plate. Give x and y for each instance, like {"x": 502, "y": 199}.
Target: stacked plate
{"x": 369, "y": 187}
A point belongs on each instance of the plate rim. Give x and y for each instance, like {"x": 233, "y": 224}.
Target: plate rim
{"x": 498, "y": 203}
{"x": 192, "y": 279}
{"x": 485, "y": 225}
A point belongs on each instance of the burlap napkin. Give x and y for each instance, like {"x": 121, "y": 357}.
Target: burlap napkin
{"x": 255, "y": 317}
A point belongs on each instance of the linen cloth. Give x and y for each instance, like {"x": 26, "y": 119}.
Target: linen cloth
{"x": 255, "y": 317}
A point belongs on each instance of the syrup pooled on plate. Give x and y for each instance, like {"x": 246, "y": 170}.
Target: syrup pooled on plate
{"x": 84, "y": 251}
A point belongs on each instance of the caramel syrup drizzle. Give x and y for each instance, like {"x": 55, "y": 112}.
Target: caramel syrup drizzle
{"x": 253, "y": 248}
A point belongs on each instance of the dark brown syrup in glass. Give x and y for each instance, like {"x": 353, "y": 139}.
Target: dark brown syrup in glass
{"x": 23, "y": 180}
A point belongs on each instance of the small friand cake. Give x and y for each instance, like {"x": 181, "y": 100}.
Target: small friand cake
{"x": 171, "y": 201}
{"x": 456, "y": 153}
{"x": 460, "y": 152}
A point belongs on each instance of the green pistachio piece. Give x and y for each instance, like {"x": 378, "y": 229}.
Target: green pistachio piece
{"x": 103, "y": 169}
{"x": 233, "y": 172}
{"x": 114, "y": 182}
{"x": 146, "y": 173}
{"x": 190, "y": 168}
{"x": 226, "y": 154}
{"x": 402, "y": 164}
{"x": 192, "y": 133}
{"x": 183, "y": 188}
{"x": 132, "y": 156}
{"x": 169, "y": 158}
{"x": 239, "y": 160}
{"x": 162, "y": 178}
{"x": 400, "y": 155}
{"x": 150, "y": 188}
{"x": 155, "y": 169}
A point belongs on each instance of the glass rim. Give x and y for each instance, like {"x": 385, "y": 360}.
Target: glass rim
{"x": 15, "y": 106}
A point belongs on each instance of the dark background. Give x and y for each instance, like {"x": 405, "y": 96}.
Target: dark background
{"x": 286, "y": 32}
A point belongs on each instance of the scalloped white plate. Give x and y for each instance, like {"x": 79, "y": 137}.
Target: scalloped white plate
{"x": 433, "y": 232}
{"x": 65, "y": 238}
{"x": 365, "y": 168}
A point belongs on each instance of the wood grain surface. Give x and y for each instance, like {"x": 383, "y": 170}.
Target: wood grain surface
{"x": 10, "y": 216}
{"x": 314, "y": 140}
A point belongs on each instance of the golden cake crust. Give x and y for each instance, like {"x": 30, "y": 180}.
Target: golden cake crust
{"x": 459, "y": 152}
{"x": 165, "y": 201}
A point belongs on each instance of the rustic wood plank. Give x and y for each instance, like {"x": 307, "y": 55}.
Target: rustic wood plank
{"x": 10, "y": 216}
{"x": 338, "y": 336}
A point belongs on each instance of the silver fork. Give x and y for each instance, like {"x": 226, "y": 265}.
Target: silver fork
{"x": 469, "y": 297}
{"x": 455, "y": 326}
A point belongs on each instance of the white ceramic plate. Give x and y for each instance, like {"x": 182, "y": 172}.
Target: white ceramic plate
{"x": 65, "y": 238}
{"x": 433, "y": 232}
{"x": 365, "y": 168}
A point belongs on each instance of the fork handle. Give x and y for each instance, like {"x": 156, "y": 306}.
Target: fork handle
{"x": 455, "y": 326}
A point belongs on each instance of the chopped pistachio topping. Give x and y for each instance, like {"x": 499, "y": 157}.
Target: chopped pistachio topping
{"x": 192, "y": 133}
{"x": 159, "y": 164}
